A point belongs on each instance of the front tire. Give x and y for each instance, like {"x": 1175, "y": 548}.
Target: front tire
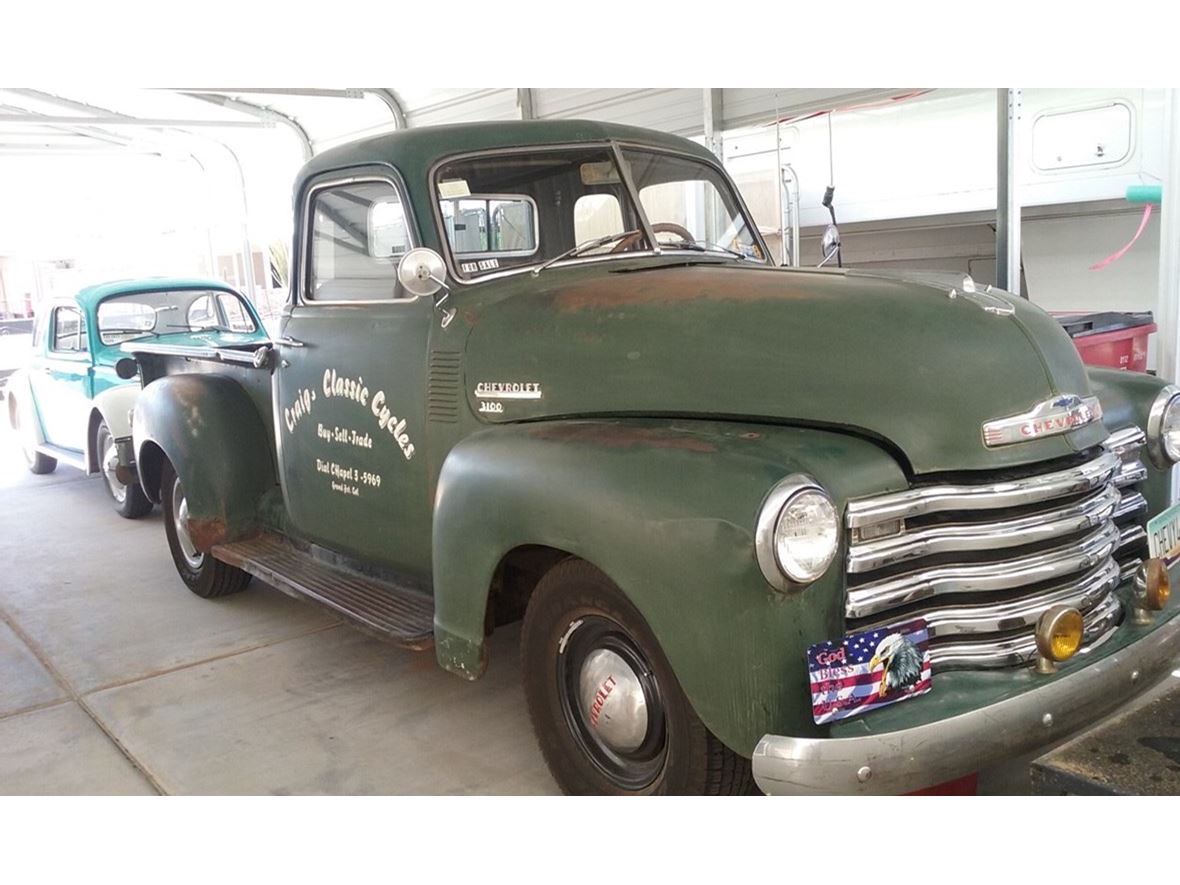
{"x": 130, "y": 501}
{"x": 205, "y": 576}
{"x": 607, "y": 710}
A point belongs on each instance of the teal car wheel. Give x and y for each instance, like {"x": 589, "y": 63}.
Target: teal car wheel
{"x": 130, "y": 501}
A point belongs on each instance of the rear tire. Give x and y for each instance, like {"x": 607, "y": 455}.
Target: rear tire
{"x": 607, "y": 710}
{"x": 36, "y": 462}
{"x": 205, "y": 576}
{"x": 130, "y": 501}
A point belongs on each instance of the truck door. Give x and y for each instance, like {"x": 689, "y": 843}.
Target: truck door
{"x": 351, "y": 376}
{"x": 61, "y": 378}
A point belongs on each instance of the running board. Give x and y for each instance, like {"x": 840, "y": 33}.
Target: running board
{"x": 71, "y": 457}
{"x": 381, "y": 608}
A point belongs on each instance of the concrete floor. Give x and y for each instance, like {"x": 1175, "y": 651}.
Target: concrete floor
{"x": 115, "y": 679}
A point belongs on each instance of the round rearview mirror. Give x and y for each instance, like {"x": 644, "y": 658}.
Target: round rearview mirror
{"x": 422, "y": 272}
{"x": 831, "y": 241}
{"x": 126, "y": 368}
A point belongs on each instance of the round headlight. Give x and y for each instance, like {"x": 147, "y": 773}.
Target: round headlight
{"x": 1163, "y": 428}
{"x": 798, "y": 533}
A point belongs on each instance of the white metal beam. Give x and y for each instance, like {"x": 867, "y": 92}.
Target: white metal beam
{"x": 713, "y": 121}
{"x": 1008, "y": 103}
{"x": 1168, "y": 308}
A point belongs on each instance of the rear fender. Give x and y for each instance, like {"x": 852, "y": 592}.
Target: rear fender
{"x": 112, "y": 407}
{"x": 668, "y": 512}
{"x": 19, "y": 392}
{"x": 211, "y": 432}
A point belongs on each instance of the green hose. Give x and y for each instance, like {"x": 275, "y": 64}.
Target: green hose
{"x": 1145, "y": 193}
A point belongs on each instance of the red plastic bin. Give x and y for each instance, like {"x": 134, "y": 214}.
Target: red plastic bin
{"x": 1112, "y": 340}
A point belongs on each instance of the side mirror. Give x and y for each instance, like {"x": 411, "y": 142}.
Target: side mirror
{"x": 423, "y": 273}
{"x": 126, "y": 368}
{"x": 830, "y": 243}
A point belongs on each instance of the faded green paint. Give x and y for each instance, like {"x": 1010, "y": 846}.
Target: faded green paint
{"x": 675, "y": 392}
{"x": 211, "y": 431}
{"x": 667, "y": 510}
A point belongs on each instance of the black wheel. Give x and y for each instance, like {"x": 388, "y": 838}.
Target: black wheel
{"x": 23, "y": 427}
{"x": 607, "y": 710}
{"x": 201, "y": 573}
{"x": 130, "y": 501}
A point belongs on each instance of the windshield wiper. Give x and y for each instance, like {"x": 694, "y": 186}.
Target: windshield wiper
{"x": 582, "y": 247}
{"x": 190, "y": 327}
{"x": 135, "y": 334}
{"x": 707, "y": 247}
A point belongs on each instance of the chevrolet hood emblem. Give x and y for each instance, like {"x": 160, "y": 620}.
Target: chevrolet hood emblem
{"x": 1060, "y": 414}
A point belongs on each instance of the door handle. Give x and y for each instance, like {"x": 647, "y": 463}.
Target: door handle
{"x": 288, "y": 342}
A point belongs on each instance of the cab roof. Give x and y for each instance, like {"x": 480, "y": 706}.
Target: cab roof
{"x": 90, "y": 296}
{"x": 414, "y": 151}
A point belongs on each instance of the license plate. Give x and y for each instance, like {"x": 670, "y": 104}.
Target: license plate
{"x": 864, "y": 671}
{"x": 1163, "y": 533}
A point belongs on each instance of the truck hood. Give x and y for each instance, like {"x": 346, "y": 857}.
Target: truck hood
{"x": 898, "y": 361}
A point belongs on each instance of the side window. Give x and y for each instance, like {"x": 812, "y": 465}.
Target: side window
{"x": 359, "y": 233}
{"x": 69, "y": 331}
{"x": 236, "y": 317}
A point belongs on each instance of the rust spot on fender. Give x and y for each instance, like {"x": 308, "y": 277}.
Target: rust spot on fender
{"x": 207, "y": 533}
{"x": 623, "y": 436}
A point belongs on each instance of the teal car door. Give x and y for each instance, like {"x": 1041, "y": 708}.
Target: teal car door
{"x": 62, "y": 377}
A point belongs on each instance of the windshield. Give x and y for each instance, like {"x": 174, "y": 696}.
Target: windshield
{"x": 139, "y": 314}
{"x": 526, "y": 209}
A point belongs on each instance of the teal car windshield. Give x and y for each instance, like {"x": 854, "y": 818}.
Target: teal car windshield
{"x": 513, "y": 210}
{"x": 143, "y": 314}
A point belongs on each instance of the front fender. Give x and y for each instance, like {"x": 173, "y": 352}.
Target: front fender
{"x": 209, "y": 429}
{"x": 667, "y": 510}
{"x": 112, "y": 406}
{"x": 1126, "y": 399}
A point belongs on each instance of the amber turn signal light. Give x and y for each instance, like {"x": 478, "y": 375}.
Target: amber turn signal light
{"x": 1157, "y": 588}
{"x": 1059, "y": 635}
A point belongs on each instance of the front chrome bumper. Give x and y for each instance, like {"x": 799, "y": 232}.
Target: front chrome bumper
{"x": 914, "y": 758}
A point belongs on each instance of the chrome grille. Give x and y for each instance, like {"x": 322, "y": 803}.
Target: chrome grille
{"x": 981, "y": 561}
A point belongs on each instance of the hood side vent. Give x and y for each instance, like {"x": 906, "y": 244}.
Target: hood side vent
{"x": 442, "y": 387}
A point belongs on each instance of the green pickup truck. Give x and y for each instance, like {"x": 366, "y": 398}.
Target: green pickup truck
{"x": 825, "y": 531}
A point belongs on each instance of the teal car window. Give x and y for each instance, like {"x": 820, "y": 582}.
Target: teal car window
{"x": 236, "y": 317}
{"x": 69, "y": 331}
{"x": 120, "y": 320}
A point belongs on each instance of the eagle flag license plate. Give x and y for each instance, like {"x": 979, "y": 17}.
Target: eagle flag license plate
{"x": 864, "y": 671}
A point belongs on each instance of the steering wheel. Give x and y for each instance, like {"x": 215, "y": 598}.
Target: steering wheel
{"x": 663, "y": 227}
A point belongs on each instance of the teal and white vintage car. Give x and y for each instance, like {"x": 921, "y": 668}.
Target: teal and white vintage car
{"x": 72, "y": 402}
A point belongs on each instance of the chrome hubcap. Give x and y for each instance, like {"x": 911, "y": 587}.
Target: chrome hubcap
{"x": 192, "y": 555}
{"x": 109, "y": 459}
{"x": 612, "y": 701}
